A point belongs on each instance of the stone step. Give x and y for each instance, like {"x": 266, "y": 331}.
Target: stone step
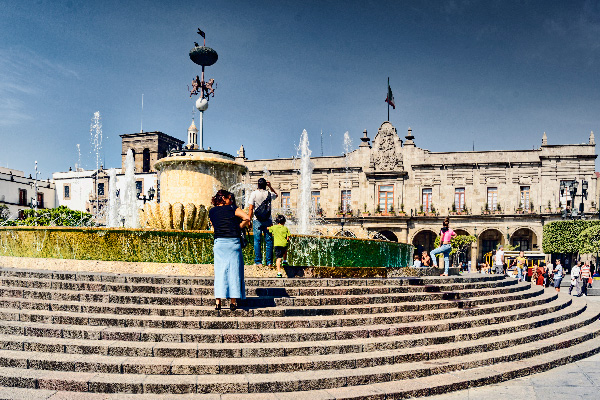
{"x": 291, "y": 382}
{"x": 281, "y": 291}
{"x": 296, "y": 342}
{"x": 82, "y": 301}
{"x": 292, "y": 317}
{"x": 394, "y": 389}
{"x": 270, "y": 364}
{"x": 262, "y": 282}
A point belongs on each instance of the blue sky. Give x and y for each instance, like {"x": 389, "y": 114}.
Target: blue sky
{"x": 496, "y": 73}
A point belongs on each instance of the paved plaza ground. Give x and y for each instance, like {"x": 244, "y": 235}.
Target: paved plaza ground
{"x": 578, "y": 381}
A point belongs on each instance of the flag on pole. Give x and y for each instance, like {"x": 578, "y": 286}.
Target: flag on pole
{"x": 201, "y": 33}
{"x": 390, "y": 96}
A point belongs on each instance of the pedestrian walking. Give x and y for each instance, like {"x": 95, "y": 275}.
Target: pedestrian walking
{"x": 558, "y": 275}
{"x": 539, "y": 271}
{"x": 586, "y": 277}
{"x": 576, "y": 279}
{"x": 521, "y": 264}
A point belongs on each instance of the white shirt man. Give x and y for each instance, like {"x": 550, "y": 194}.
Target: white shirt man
{"x": 260, "y": 228}
{"x": 575, "y": 279}
{"x": 499, "y": 261}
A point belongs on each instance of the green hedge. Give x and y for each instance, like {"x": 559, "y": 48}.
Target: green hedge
{"x": 563, "y": 236}
{"x": 60, "y": 216}
{"x": 190, "y": 247}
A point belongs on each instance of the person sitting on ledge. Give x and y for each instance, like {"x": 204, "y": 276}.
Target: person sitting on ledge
{"x": 425, "y": 259}
{"x": 417, "y": 261}
{"x": 446, "y": 235}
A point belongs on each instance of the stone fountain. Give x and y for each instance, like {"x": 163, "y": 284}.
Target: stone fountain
{"x": 190, "y": 177}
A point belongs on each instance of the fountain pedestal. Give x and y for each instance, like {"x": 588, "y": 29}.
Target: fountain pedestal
{"x": 187, "y": 184}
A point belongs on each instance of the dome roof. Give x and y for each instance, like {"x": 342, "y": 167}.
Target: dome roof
{"x": 193, "y": 126}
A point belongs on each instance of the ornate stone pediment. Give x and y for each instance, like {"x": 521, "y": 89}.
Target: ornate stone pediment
{"x": 386, "y": 153}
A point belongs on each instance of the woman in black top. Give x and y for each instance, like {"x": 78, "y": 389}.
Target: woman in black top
{"x": 227, "y": 221}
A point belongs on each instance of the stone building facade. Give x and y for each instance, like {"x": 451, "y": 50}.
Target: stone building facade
{"x": 18, "y": 192}
{"x": 148, "y": 148}
{"x": 392, "y": 187}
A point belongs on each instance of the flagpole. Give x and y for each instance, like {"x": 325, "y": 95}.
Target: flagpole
{"x": 388, "y": 103}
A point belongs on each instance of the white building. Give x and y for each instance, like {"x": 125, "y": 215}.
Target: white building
{"x": 18, "y": 192}
{"x": 87, "y": 190}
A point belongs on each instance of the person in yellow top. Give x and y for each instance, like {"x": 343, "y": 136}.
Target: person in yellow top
{"x": 521, "y": 262}
{"x": 280, "y": 234}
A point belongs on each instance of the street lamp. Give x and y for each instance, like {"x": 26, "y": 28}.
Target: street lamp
{"x": 151, "y": 192}
{"x": 571, "y": 187}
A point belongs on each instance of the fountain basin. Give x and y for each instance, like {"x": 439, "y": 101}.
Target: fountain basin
{"x": 330, "y": 255}
{"x": 196, "y": 176}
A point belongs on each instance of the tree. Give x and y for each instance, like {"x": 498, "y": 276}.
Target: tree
{"x": 589, "y": 240}
{"x": 4, "y": 213}
{"x": 563, "y": 236}
{"x": 61, "y": 216}
{"x": 459, "y": 243}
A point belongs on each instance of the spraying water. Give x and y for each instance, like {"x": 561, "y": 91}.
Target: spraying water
{"x": 112, "y": 219}
{"x": 306, "y": 168}
{"x": 96, "y": 144}
{"x": 347, "y": 163}
{"x": 266, "y": 172}
{"x": 241, "y": 191}
{"x": 78, "y": 165}
{"x": 128, "y": 197}
{"x": 96, "y": 137}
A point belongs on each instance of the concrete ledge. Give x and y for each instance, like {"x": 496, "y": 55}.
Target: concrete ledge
{"x": 251, "y": 271}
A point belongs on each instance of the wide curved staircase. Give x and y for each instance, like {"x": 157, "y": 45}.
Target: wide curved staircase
{"x": 141, "y": 336}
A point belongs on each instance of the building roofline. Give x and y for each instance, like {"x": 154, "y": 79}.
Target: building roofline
{"x": 155, "y": 133}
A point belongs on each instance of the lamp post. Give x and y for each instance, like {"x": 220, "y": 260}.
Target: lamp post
{"x": 151, "y": 192}
{"x": 571, "y": 187}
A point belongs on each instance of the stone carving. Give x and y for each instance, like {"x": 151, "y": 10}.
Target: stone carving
{"x": 196, "y": 86}
{"x": 385, "y": 157}
{"x": 204, "y": 88}
{"x": 176, "y": 216}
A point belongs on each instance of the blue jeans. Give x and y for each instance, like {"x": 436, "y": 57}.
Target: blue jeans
{"x": 520, "y": 273}
{"x": 259, "y": 228}
{"x": 444, "y": 249}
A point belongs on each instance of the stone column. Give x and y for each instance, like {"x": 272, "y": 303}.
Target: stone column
{"x": 403, "y": 238}
{"x": 474, "y": 251}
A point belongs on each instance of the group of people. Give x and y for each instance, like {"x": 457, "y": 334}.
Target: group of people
{"x": 581, "y": 278}
{"x": 229, "y": 222}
